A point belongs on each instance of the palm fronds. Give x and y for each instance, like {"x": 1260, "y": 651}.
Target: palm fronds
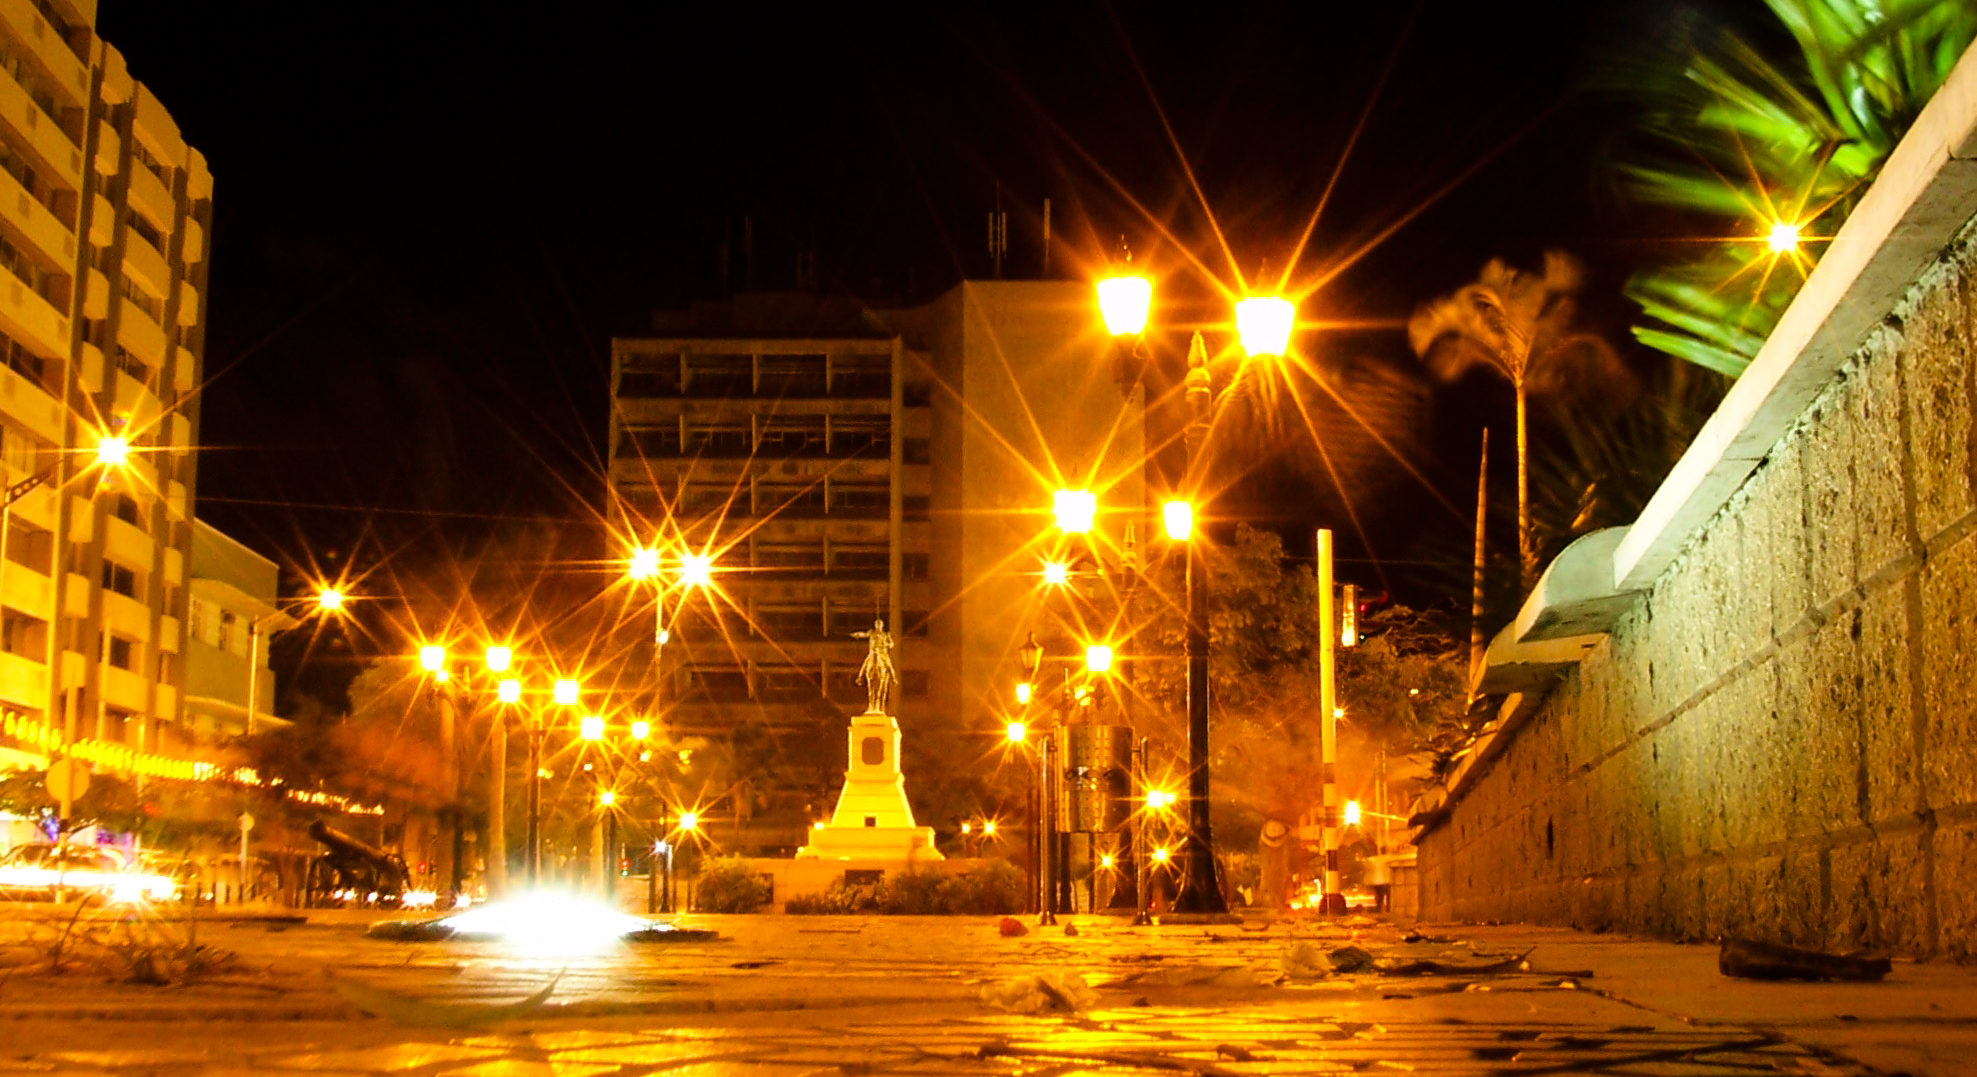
{"x": 1746, "y": 143}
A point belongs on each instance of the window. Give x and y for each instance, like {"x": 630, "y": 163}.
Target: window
{"x": 649, "y": 375}
{"x": 147, "y": 231}
{"x": 125, "y": 508}
{"x": 725, "y": 437}
{"x": 913, "y": 566}
{"x": 792, "y": 435}
{"x": 861, "y": 498}
{"x": 861, "y": 376}
{"x": 199, "y": 620}
{"x": 118, "y": 651}
{"x": 860, "y": 559}
{"x": 790, "y": 376}
{"x": 229, "y": 623}
{"x": 651, "y": 441}
{"x": 916, "y": 451}
{"x": 167, "y": 668}
{"x": 914, "y": 506}
{"x": 719, "y": 375}
{"x": 861, "y": 435}
{"x": 23, "y": 635}
{"x": 120, "y": 579}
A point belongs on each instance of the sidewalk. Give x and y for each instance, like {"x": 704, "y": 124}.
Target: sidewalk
{"x": 789, "y": 995}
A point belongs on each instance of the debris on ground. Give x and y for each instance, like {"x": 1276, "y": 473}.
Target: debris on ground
{"x": 1433, "y": 967}
{"x": 1070, "y": 929}
{"x": 1752, "y": 960}
{"x": 1040, "y": 992}
{"x": 1350, "y": 959}
{"x": 1011, "y": 927}
{"x": 1306, "y": 960}
{"x": 1203, "y": 976}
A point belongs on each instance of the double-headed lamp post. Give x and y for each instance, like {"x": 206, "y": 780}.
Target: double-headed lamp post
{"x": 1263, "y": 326}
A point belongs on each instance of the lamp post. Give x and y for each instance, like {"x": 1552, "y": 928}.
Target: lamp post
{"x": 695, "y": 572}
{"x": 449, "y": 692}
{"x": 1264, "y": 325}
{"x": 1031, "y": 657}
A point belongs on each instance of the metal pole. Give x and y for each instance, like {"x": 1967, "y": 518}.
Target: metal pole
{"x": 1142, "y": 877}
{"x": 449, "y": 781}
{"x": 1201, "y": 890}
{"x": 535, "y": 806}
{"x": 1334, "y": 899}
{"x": 1046, "y": 837}
{"x": 666, "y": 836}
{"x": 253, "y": 665}
{"x": 497, "y": 809}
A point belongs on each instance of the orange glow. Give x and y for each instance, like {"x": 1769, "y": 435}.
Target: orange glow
{"x": 1264, "y": 324}
{"x": 1076, "y": 511}
{"x": 697, "y": 570}
{"x": 644, "y": 563}
{"x": 509, "y": 691}
{"x": 1125, "y": 301}
{"x": 1098, "y": 658}
{"x": 592, "y": 727}
{"x": 1056, "y": 573}
{"x": 1178, "y": 516}
{"x": 566, "y": 692}
{"x": 432, "y": 658}
{"x": 499, "y": 659}
{"x": 113, "y": 450}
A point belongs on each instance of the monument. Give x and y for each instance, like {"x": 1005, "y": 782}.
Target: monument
{"x": 873, "y": 825}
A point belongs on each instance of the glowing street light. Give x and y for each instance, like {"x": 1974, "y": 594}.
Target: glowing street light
{"x": 989, "y": 828}
{"x": 565, "y": 693}
{"x": 1017, "y": 732}
{"x": 508, "y": 691}
{"x": 1178, "y": 516}
{"x": 591, "y": 727}
{"x": 607, "y": 798}
{"x": 1161, "y": 798}
{"x": 689, "y": 820}
{"x": 1076, "y": 511}
{"x": 644, "y": 563}
{"x": 329, "y": 600}
{"x": 113, "y": 450}
{"x": 1124, "y": 301}
{"x": 697, "y": 569}
{"x": 1024, "y": 692}
{"x": 500, "y": 658}
{"x": 1098, "y": 658}
{"x": 641, "y": 729}
{"x": 1352, "y": 813}
{"x": 432, "y": 658}
{"x": 1784, "y": 238}
{"x": 1056, "y": 573}
{"x": 1162, "y": 855}
{"x": 1264, "y": 324}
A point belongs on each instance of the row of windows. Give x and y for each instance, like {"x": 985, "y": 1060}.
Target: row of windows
{"x": 788, "y": 683}
{"x": 781, "y": 440}
{"x": 810, "y": 624}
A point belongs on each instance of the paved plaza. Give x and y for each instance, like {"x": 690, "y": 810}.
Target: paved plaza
{"x": 798, "y": 995}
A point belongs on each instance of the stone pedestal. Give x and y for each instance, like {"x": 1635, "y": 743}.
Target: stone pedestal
{"x": 873, "y": 824}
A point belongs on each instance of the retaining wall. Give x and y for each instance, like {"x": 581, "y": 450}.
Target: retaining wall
{"x": 1779, "y": 739}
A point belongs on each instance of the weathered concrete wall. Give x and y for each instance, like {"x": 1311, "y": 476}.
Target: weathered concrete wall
{"x": 1780, "y": 738}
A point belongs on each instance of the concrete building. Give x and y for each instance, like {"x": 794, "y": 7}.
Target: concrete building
{"x": 1750, "y": 712}
{"x": 230, "y": 615}
{"x": 104, "y": 212}
{"x": 845, "y": 463}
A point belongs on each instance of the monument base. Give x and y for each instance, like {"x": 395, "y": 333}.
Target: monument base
{"x": 873, "y": 822}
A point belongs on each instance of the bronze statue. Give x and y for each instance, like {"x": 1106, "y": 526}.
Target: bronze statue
{"x": 877, "y": 673}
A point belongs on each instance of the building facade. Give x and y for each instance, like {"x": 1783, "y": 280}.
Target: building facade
{"x": 847, "y": 464}
{"x": 104, "y": 212}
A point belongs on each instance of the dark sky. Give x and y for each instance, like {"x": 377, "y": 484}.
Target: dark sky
{"x": 431, "y": 217}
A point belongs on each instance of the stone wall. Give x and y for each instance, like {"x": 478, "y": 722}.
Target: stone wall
{"x": 1779, "y": 739}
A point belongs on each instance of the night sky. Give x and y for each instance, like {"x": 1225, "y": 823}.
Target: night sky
{"x": 430, "y": 218}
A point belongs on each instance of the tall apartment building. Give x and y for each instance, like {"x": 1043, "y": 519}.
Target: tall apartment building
{"x": 104, "y": 212}
{"x": 858, "y": 462}
{"x": 802, "y": 461}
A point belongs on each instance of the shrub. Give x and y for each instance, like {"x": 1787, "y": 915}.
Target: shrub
{"x": 731, "y": 884}
{"x": 993, "y": 889}
{"x": 914, "y": 892}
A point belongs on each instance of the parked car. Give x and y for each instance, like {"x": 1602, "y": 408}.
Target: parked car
{"x": 42, "y": 871}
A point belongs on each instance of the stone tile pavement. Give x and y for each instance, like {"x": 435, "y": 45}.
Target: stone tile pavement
{"x": 799, "y": 996}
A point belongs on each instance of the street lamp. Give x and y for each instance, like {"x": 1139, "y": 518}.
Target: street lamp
{"x": 1264, "y": 325}
{"x": 1076, "y": 511}
{"x": 1098, "y": 658}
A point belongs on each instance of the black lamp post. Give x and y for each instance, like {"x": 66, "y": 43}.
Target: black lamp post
{"x": 1264, "y": 324}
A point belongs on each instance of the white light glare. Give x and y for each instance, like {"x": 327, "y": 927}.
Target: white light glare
{"x": 546, "y": 922}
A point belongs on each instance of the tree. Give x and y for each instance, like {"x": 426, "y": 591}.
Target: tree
{"x": 1265, "y": 750}
{"x": 1519, "y": 324}
{"x": 1770, "y": 153}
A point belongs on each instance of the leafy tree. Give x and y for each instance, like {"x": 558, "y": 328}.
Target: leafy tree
{"x": 1520, "y": 325}
{"x": 1745, "y": 142}
{"x": 1265, "y": 747}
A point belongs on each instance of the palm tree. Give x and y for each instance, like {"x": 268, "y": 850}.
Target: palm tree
{"x": 1518, "y": 324}
{"x": 1748, "y": 144}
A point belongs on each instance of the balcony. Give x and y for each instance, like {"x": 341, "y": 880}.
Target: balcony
{"x": 125, "y": 542}
{"x": 125, "y": 689}
{"x": 185, "y": 371}
{"x": 102, "y": 222}
{"x": 31, "y": 319}
{"x": 67, "y": 74}
{"x": 194, "y": 246}
{"x": 140, "y": 333}
{"x": 188, "y": 305}
{"x": 75, "y": 596}
{"x": 43, "y": 230}
{"x": 136, "y": 403}
{"x": 145, "y": 263}
{"x": 127, "y": 616}
{"x": 30, "y": 406}
{"x": 23, "y": 682}
{"x": 51, "y": 146}
{"x": 109, "y": 148}
{"x": 95, "y": 295}
{"x": 149, "y": 195}
{"x": 27, "y": 590}
{"x": 174, "y": 565}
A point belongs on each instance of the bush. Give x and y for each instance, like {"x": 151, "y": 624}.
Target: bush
{"x": 730, "y": 885}
{"x": 993, "y": 889}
